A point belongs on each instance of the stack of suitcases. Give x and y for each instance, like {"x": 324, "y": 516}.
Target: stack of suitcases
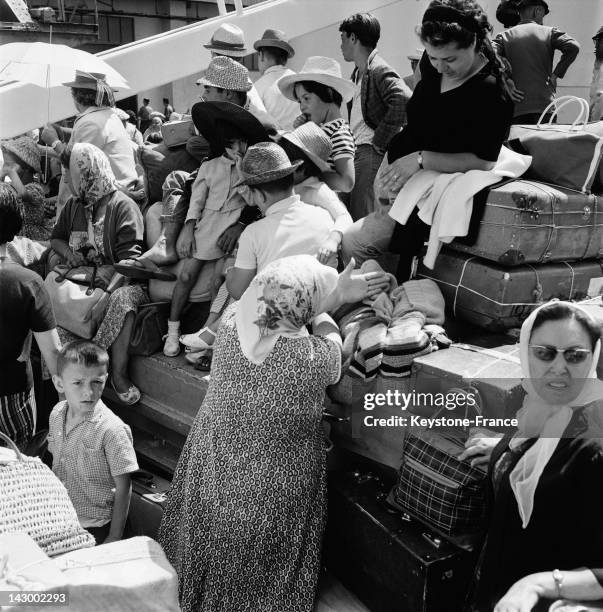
{"x": 535, "y": 242}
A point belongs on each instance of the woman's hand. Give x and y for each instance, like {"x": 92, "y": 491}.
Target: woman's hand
{"x": 396, "y": 174}
{"x": 327, "y": 250}
{"x": 479, "y": 445}
{"x": 74, "y": 259}
{"x": 49, "y": 134}
{"x": 521, "y": 597}
{"x": 516, "y": 94}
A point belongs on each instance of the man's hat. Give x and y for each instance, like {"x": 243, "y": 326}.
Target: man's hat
{"x": 313, "y": 142}
{"x": 319, "y": 69}
{"x": 265, "y": 162}
{"x": 228, "y": 39}
{"x": 525, "y": 3}
{"x": 208, "y": 118}
{"x": 274, "y": 38}
{"x": 86, "y": 80}
{"x": 225, "y": 73}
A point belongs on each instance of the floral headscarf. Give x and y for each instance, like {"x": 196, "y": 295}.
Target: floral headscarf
{"x": 91, "y": 175}
{"x": 280, "y": 301}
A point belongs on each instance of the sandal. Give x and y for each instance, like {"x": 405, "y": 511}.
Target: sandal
{"x": 195, "y": 341}
{"x": 130, "y": 397}
{"x": 203, "y": 364}
{"x": 143, "y": 269}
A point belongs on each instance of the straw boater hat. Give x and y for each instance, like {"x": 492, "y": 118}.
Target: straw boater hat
{"x": 313, "y": 142}
{"x": 95, "y": 81}
{"x": 228, "y": 39}
{"x": 25, "y": 149}
{"x": 209, "y": 116}
{"x": 319, "y": 69}
{"x": 225, "y": 73}
{"x": 265, "y": 162}
{"x": 274, "y": 38}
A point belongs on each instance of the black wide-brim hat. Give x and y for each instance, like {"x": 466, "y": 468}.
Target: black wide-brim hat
{"x": 209, "y": 117}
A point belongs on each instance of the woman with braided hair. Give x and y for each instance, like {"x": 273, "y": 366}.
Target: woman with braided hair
{"x": 457, "y": 120}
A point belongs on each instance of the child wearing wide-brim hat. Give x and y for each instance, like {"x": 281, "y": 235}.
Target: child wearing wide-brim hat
{"x": 320, "y": 90}
{"x": 216, "y": 200}
{"x": 308, "y": 143}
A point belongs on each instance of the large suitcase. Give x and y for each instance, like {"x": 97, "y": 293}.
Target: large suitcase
{"x": 391, "y": 562}
{"x": 495, "y": 297}
{"x": 492, "y": 376}
{"x": 147, "y": 504}
{"x": 531, "y": 222}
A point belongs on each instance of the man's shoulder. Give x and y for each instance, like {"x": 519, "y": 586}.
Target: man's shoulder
{"x": 313, "y": 213}
{"x": 379, "y": 66}
{"x": 109, "y": 422}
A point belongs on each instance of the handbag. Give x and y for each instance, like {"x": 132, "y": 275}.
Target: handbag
{"x": 565, "y": 155}
{"x": 80, "y": 296}
{"x": 435, "y": 487}
{"x": 34, "y": 501}
{"x": 150, "y": 326}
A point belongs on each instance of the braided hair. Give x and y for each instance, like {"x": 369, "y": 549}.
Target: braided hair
{"x": 463, "y": 22}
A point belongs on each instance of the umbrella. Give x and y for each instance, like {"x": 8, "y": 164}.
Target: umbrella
{"x": 47, "y": 65}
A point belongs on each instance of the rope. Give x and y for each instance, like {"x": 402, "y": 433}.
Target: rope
{"x": 573, "y": 277}
{"x": 456, "y": 293}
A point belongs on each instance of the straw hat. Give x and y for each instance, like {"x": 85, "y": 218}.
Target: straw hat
{"x": 25, "y": 149}
{"x": 86, "y": 80}
{"x": 228, "y": 39}
{"x": 225, "y": 73}
{"x": 208, "y": 116}
{"x": 265, "y": 162}
{"x": 319, "y": 69}
{"x": 274, "y": 38}
{"x": 314, "y": 142}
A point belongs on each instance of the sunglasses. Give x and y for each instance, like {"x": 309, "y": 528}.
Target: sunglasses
{"x": 571, "y": 355}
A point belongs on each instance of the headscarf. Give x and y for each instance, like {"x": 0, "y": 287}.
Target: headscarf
{"x": 538, "y": 418}
{"x": 280, "y": 301}
{"x": 91, "y": 175}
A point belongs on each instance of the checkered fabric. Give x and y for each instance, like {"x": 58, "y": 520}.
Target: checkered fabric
{"x": 438, "y": 489}
{"x": 88, "y": 457}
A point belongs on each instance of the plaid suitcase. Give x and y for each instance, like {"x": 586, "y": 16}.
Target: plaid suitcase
{"x": 531, "y": 222}
{"x": 496, "y": 298}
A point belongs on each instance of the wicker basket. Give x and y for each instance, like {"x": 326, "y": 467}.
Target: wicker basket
{"x": 34, "y": 501}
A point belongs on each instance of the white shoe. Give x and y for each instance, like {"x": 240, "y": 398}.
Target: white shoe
{"x": 195, "y": 342}
{"x": 171, "y": 348}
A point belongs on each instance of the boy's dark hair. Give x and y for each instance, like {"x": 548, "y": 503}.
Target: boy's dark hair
{"x": 294, "y": 153}
{"x": 132, "y": 116}
{"x": 11, "y": 220}
{"x": 239, "y": 97}
{"x": 365, "y": 26}
{"x": 82, "y": 352}
{"x": 324, "y": 92}
{"x": 167, "y": 100}
{"x": 285, "y": 183}
{"x": 279, "y": 56}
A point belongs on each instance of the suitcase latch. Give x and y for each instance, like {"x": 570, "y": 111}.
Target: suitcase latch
{"x": 435, "y": 542}
{"x": 586, "y": 212}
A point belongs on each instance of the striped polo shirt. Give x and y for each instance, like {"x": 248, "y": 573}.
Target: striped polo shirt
{"x": 342, "y": 140}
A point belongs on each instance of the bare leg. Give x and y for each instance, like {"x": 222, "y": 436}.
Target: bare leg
{"x": 163, "y": 252}
{"x": 119, "y": 355}
{"x": 186, "y": 280}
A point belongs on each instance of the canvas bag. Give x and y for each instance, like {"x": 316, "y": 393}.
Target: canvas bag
{"x": 565, "y": 155}
{"x": 436, "y": 488}
{"x": 80, "y": 296}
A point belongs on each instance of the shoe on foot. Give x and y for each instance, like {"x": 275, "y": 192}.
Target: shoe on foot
{"x": 196, "y": 342}
{"x": 171, "y": 348}
{"x": 130, "y": 397}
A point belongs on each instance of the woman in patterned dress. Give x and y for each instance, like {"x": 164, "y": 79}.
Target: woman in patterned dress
{"x": 102, "y": 224}
{"x": 245, "y": 515}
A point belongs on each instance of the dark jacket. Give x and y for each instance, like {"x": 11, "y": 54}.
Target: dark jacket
{"x": 384, "y": 95}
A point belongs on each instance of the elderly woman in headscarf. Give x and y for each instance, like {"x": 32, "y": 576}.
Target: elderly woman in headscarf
{"x": 22, "y": 167}
{"x": 97, "y": 124}
{"x": 102, "y": 224}
{"x": 245, "y": 515}
{"x": 546, "y": 525}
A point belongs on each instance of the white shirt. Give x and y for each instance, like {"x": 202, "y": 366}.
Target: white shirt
{"x": 281, "y": 109}
{"x": 290, "y": 227}
{"x": 254, "y": 103}
{"x": 313, "y": 191}
{"x": 363, "y": 134}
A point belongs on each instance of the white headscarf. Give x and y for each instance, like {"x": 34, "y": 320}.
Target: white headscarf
{"x": 280, "y": 301}
{"x": 538, "y": 418}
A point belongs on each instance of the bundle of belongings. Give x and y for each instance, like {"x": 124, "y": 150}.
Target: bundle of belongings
{"x": 384, "y": 334}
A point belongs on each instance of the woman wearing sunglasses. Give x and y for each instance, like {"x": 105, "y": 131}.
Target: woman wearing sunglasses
{"x": 545, "y": 538}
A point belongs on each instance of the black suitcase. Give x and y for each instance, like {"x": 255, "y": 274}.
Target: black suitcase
{"x": 391, "y": 563}
{"x": 147, "y": 504}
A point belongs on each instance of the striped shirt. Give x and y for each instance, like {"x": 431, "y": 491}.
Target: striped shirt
{"x": 342, "y": 140}
{"x": 86, "y": 459}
